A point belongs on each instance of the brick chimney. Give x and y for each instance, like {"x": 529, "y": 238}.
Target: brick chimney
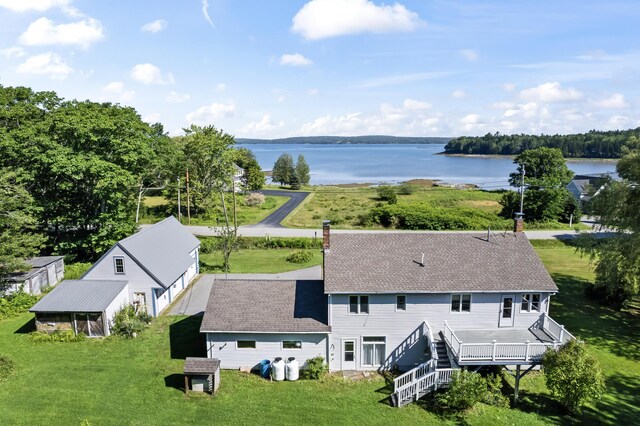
{"x": 518, "y": 223}
{"x": 326, "y": 234}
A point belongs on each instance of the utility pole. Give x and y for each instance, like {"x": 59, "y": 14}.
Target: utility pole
{"x": 522, "y": 192}
{"x": 179, "y": 209}
{"x": 235, "y": 214}
{"x": 188, "y": 201}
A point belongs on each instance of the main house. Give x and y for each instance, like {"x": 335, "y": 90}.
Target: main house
{"x": 394, "y": 301}
{"x": 148, "y": 269}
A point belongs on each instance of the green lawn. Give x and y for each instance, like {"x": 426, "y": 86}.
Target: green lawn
{"x": 115, "y": 381}
{"x": 258, "y": 261}
{"x": 246, "y": 215}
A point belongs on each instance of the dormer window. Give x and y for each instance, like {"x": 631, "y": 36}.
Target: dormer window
{"x": 118, "y": 265}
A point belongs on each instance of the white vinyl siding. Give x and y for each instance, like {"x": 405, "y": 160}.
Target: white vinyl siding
{"x": 268, "y": 346}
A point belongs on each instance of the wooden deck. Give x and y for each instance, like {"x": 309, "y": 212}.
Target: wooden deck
{"x": 504, "y": 336}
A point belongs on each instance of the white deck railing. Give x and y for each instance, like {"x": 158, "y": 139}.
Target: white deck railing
{"x": 451, "y": 339}
{"x": 555, "y": 330}
{"x": 416, "y": 389}
{"x": 422, "y": 369}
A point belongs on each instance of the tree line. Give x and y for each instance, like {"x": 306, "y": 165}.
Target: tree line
{"x": 593, "y": 144}
{"x": 72, "y": 173}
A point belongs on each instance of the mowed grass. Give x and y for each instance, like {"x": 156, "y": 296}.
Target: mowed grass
{"x": 139, "y": 382}
{"x": 267, "y": 261}
{"x": 247, "y": 215}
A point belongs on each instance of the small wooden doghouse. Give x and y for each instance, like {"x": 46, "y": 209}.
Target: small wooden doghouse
{"x": 201, "y": 375}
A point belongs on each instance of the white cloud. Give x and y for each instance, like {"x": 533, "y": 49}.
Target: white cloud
{"x": 43, "y": 31}
{"x": 615, "y": 101}
{"x": 46, "y": 63}
{"x": 262, "y": 127}
{"x": 503, "y": 105}
{"x": 115, "y": 91}
{"x": 35, "y": 5}
{"x": 459, "y": 94}
{"x": 154, "y": 117}
{"x": 205, "y": 12}
{"x": 413, "y": 105}
{"x": 150, "y": 74}
{"x": 155, "y": 26}
{"x": 471, "y": 119}
{"x": 177, "y": 98}
{"x": 294, "y": 59}
{"x": 398, "y": 79}
{"x": 13, "y": 52}
{"x": 331, "y": 18}
{"x": 509, "y": 87}
{"x": 469, "y": 54}
{"x": 208, "y": 113}
{"x": 550, "y": 92}
{"x": 221, "y": 87}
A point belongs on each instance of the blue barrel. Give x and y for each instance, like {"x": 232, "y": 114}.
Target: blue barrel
{"x": 265, "y": 368}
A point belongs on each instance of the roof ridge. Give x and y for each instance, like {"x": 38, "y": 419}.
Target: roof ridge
{"x": 142, "y": 231}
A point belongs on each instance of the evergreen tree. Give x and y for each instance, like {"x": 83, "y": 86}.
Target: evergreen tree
{"x": 283, "y": 169}
{"x": 302, "y": 171}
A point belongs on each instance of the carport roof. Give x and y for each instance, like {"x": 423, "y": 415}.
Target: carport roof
{"x": 80, "y": 296}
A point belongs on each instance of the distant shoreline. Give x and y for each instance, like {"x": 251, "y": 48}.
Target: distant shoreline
{"x": 570, "y": 159}
{"x": 348, "y": 140}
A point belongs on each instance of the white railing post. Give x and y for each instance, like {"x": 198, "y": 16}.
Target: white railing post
{"x": 561, "y": 333}
{"x": 526, "y": 353}
{"x": 493, "y": 355}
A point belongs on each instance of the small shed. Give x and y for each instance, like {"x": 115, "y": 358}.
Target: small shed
{"x": 201, "y": 375}
{"x": 46, "y": 271}
{"x": 83, "y": 306}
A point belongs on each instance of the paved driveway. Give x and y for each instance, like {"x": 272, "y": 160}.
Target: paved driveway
{"x": 274, "y": 219}
{"x": 194, "y": 301}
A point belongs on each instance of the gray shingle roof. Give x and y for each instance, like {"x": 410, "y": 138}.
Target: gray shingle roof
{"x": 80, "y": 296}
{"x": 39, "y": 262}
{"x": 266, "y": 306}
{"x": 162, "y": 249}
{"x": 201, "y": 365}
{"x": 454, "y": 262}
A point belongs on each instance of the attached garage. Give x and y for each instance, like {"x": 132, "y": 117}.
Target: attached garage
{"x": 83, "y": 306}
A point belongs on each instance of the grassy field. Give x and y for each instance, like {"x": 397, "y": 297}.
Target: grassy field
{"x": 246, "y": 215}
{"x": 343, "y": 205}
{"x": 267, "y": 261}
{"x": 116, "y": 381}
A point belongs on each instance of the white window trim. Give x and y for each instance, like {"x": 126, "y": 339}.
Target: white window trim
{"x": 530, "y": 304}
{"x": 247, "y": 349}
{"x": 405, "y": 303}
{"x": 461, "y": 311}
{"x": 290, "y": 349}
{"x": 359, "y": 304}
{"x": 115, "y": 268}
{"x": 362, "y": 343}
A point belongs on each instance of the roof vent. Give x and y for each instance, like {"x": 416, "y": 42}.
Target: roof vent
{"x": 421, "y": 263}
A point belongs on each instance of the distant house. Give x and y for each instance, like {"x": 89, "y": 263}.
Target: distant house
{"x": 585, "y": 187}
{"x": 46, "y": 271}
{"x": 424, "y": 303}
{"x": 157, "y": 262}
{"x": 81, "y": 306}
{"x": 238, "y": 174}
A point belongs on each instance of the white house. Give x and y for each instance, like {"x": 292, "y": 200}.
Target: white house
{"x": 157, "y": 262}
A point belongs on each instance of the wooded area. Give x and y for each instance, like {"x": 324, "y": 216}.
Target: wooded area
{"x": 593, "y": 144}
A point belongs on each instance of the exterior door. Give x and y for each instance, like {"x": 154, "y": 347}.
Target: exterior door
{"x": 140, "y": 302}
{"x": 348, "y": 354}
{"x": 507, "y": 310}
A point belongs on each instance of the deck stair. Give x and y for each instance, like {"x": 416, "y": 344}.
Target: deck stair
{"x": 443, "y": 360}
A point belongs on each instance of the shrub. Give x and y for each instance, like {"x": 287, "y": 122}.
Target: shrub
{"x": 254, "y": 199}
{"x": 7, "y": 367}
{"x": 16, "y": 304}
{"x": 73, "y": 271}
{"x": 300, "y": 257}
{"x": 128, "y": 323}
{"x": 316, "y": 369}
{"x": 57, "y": 336}
{"x": 468, "y": 388}
{"x": 388, "y": 194}
{"x": 406, "y": 189}
{"x": 573, "y": 375}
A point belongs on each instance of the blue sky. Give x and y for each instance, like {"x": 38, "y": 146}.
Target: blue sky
{"x": 336, "y": 67}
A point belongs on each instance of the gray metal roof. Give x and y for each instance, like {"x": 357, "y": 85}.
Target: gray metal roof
{"x": 266, "y": 306}
{"x": 80, "y": 296}
{"x": 453, "y": 262}
{"x": 162, "y": 249}
{"x": 39, "y": 262}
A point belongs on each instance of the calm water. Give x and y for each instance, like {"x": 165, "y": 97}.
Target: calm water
{"x": 331, "y": 164}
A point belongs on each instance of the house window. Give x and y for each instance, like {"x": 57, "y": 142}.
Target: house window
{"x": 358, "y": 304}
{"x": 460, "y": 303}
{"x": 373, "y": 350}
{"x": 401, "y": 302}
{"x": 246, "y": 344}
{"x": 530, "y": 302}
{"x": 118, "y": 265}
{"x": 291, "y": 344}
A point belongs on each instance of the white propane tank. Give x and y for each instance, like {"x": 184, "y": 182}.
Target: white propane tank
{"x": 292, "y": 369}
{"x": 277, "y": 369}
